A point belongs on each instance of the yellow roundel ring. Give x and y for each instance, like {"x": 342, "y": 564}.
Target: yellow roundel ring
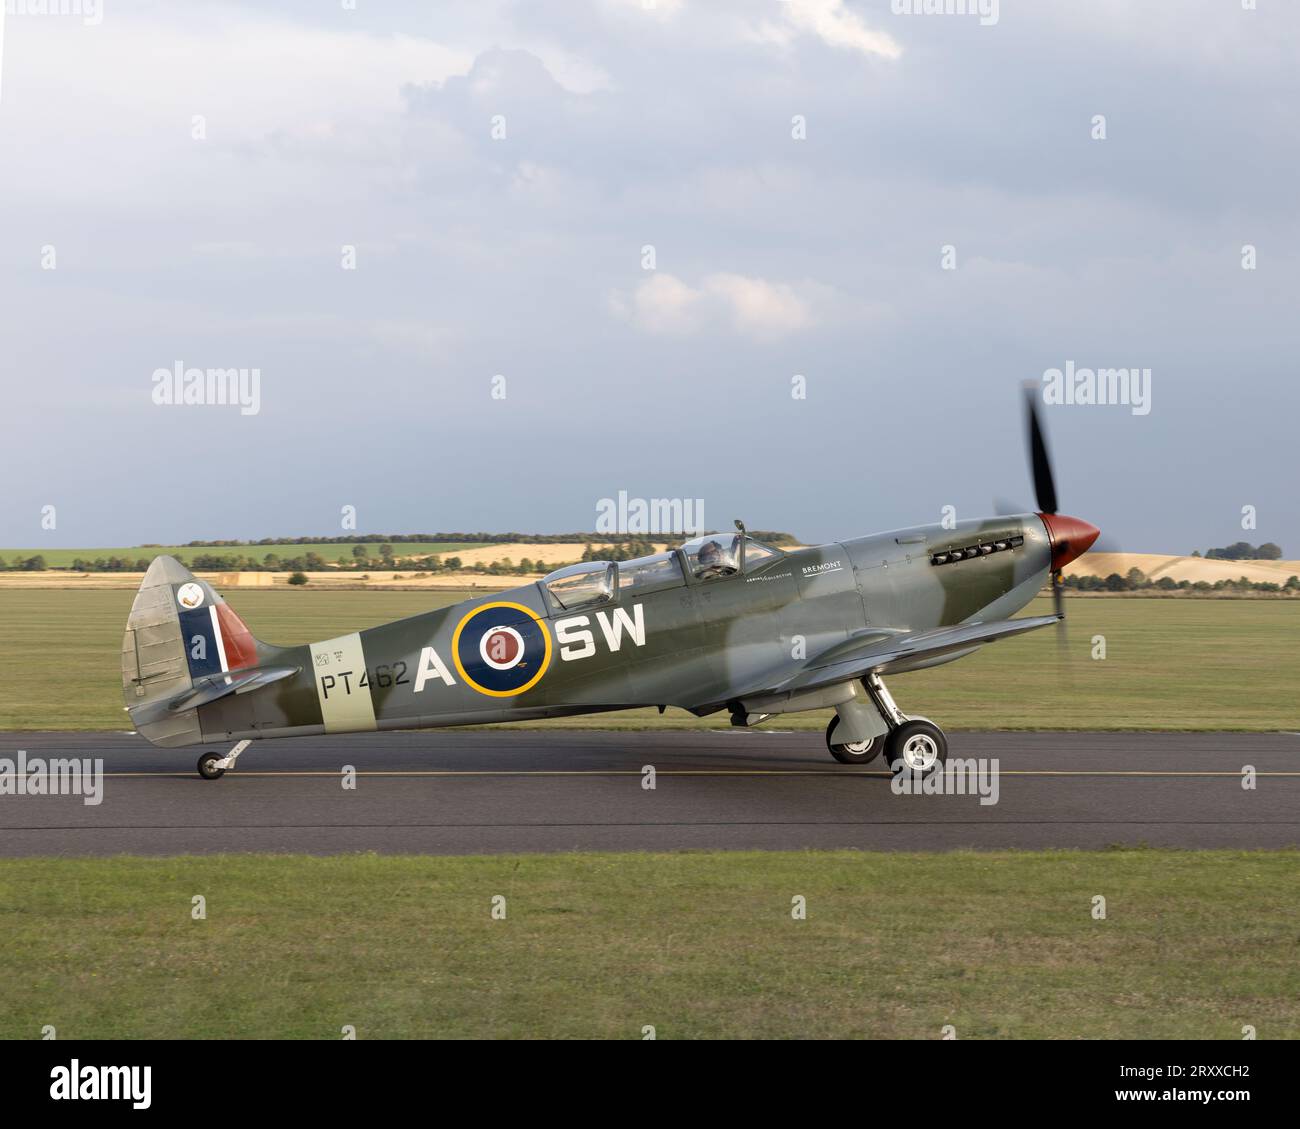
{"x": 529, "y": 629}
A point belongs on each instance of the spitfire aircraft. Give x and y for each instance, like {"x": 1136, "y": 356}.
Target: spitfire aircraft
{"x": 723, "y": 622}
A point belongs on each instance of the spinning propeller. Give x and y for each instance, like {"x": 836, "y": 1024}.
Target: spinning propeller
{"x": 1070, "y": 536}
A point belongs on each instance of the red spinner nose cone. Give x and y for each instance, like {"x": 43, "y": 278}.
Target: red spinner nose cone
{"x": 1071, "y": 537}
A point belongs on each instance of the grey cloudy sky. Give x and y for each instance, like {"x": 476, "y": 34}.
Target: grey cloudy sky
{"x": 626, "y": 126}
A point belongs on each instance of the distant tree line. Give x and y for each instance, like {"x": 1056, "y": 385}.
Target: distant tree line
{"x": 1135, "y": 580}
{"x": 24, "y": 564}
{"x": 772, "y": 536}
{"x": 627, "y": 550}
{"x": 1244, "y": 551}
{"x": 370, "y": 552}
{"x": 359, "y": 560}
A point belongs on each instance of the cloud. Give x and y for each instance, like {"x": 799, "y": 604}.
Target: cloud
{"x": 660, "y": 8}
{"x": 749, "y": 306}
{"x": 759, "y": 308}
{"x": 626, "y": 127}
{"x": 122, "y": 98}
{"x": 834, "y": 25}
{"x": 661, "y": 304}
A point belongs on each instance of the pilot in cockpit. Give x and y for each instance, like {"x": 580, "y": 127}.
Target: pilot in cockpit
{"x": 712, "y": 561}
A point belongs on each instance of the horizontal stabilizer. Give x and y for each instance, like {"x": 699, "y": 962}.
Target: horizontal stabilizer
{"x": 216, "y": 686}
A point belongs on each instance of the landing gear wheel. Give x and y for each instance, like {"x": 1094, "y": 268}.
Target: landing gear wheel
{"x": 208, "y": 766}
{"x": 916, "y": 746}
{"x": 860, "y": 752}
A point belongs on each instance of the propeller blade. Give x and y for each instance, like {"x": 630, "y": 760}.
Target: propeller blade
{"x": 1041, "y": 463}
{"x": 1065, "y": 667}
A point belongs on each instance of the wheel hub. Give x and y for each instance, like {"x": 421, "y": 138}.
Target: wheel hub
{"x": 920, "y": 751}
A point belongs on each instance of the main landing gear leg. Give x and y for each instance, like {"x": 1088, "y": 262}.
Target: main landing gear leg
{"x": 912, "y": 743}
{"x": 212, "y": 766}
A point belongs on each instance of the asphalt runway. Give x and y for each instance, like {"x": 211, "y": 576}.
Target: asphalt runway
{"x": 489, "y": 791}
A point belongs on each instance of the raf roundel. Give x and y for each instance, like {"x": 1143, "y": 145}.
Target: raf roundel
{"x": 501, "y": 649}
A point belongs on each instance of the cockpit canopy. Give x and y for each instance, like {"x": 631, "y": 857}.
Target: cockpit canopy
{"x": 720, "y": 554}
{"x": 714, "y": 555}
{"x": 582, "y": 585}
{"x": 593, "y": 583}
{"x": 648, "y": 574}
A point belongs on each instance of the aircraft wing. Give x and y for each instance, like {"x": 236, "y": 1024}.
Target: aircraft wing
{"x": 881, "y": 652}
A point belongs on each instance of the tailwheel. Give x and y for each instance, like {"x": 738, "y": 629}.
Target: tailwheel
{"x": 917, "y": 746}
{"x": 859, "y": 752}
{"x": 208, "y": 766}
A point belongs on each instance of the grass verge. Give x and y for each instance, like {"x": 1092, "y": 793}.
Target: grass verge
{"x": 1194, "y": 945}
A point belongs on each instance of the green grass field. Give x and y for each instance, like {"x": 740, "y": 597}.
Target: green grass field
{"x": 63, "y": 558}
{"x": 1171, "y": 664}
{"x": 1194, "y": 945}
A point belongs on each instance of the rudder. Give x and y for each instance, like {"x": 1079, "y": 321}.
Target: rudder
{"x": 179, "y": 631}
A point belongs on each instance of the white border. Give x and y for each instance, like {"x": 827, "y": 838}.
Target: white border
{"x": 519, "y": 654}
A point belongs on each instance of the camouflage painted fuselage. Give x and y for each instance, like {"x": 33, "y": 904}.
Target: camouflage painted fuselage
{"x": 702, "y": 645}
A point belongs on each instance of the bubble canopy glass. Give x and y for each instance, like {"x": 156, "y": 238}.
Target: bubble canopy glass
{"x": 582, "y": 585}
{"x": 647, "y": 574}
{"x": 719, "y": 554}
{"x": 593, "y": 583}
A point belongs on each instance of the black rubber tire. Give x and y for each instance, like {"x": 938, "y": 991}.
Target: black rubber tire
{"x": 845, "y": 755}
{"x": 207, "y": 768}
{"x": 917, "y": 728}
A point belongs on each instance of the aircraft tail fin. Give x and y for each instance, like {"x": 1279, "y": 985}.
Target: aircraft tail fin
{"x": 180, "y": 634}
